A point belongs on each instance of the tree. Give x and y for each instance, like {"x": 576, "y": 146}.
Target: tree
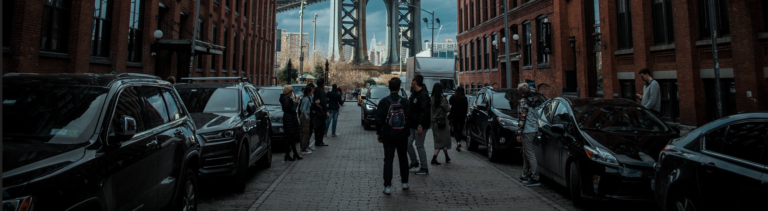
{"x": 287, "y": 76}
{"x": 318, "y": 72}
{"x": 369, "y": 81}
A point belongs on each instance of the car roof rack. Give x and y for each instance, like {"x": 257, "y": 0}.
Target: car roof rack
{"x": 193, "y": 79}
{"x": 136, "y": 75}
{"x": 16, "y": 74}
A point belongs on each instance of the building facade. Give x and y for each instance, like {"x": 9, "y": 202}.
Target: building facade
{"x": 594, "y": 48}
{"x": 290, "y": 47}
{"x": 233, "y": 37}
{"x": 447, "y": 49}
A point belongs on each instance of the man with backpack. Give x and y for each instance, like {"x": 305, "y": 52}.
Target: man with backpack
{"x": 392, "y": 132}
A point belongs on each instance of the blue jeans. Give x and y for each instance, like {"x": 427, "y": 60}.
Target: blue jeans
{"x": 334, "y": 117}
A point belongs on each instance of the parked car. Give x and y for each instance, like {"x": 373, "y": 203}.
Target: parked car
{"x": 372, "y": 98}
{"x": 494, "y": 121}
{"x": 722, "y": 165}
{"x": 271, "y": 97}
{"x": 234, "y": 124}
{"x": 600, "y": 148}
{"x": 96, "y": 142}
{"x": 361, "y": 96}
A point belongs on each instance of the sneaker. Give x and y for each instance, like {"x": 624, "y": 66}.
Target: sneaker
{"x": 307, "y": 152}
{"x": 414, "y": 168}
{"x": 337, "y": 134}
{"x": 405, "y": 186}
{"x": 522, "y": 179}
{"x": 531, "y": 183}
{"x": 422, "y": 171}
{"x": 388, "y": 190}
{"x": 312, "y": 148}
{"x": 333, "y": 136}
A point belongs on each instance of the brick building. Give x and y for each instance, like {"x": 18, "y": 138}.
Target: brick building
{"x": 234, "y": 37}
{"x": 595, "y": 48}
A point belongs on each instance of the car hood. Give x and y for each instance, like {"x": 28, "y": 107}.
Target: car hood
{"x": 275, "y": 110}
{"x": 632, "y": 148}
{"x": 208, "y": 122}
{"x": 26, "y": 160}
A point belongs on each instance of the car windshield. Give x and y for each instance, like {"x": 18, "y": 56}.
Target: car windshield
{"x": 379, "y": 93}
{"x": 210, "y": 100}
{"x": 500, "y": 102}
{"x": 271, "y": 96}
{"x": 448, "y": 85}
{"x": 51, "y": 113}
{"x": 617, "y": 118}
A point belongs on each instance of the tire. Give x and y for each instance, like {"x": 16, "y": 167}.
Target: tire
{"x": 493, "y": 154}
{"x": 241, "y": 176}
{"x": 574, "y": 179}
{"x": 266, "y": 160}
{"x": 471, "y": 145}
{"x": 682, "y": 201}
{"x": 187, "y": 197}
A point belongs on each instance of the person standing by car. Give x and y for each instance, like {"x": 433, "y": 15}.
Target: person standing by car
{"x": 651, "y": 97}
{"x": 290, "y": 124}
{"x": 526, "y": 130}
{"x": 391, "y": 131}
{"x": 334, "y": 104}
{"x": 418, "y": 121}
{"x": 458, "y": 115}
{"x": 321, "y": 100}
{"x": 440, "y": 130}
{"x": 306, "y": 118}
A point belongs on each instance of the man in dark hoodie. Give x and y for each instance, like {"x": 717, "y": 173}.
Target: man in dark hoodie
{"x": 334, "y": 104}
{"x": 418, "y": 121}
{"x": 321, "y": 99}
{"x": 391, "y": 133}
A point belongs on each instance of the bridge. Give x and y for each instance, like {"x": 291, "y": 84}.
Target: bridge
{"x": 347, "y": 40}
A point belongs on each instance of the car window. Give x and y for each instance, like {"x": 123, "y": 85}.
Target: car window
{"x": 174, "y": 109}
{"x": 499, "y": 102}
{"x": 742, "y": 140}
{"x": 155, "y": 113}
{"x": 560, "y": 115}
{"x": 210, "y": 100}
{"x": 246, "y": 99}
{"x": 128, "y": 104}
{"x": 546, "y": 112}
{"x": 481, "y": 99}
{"x": 256, "y": 97}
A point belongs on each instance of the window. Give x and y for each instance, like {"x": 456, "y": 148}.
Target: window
{"x": 670, "y": 106}
{"x": 765, "y": 21}
{"x": 663, "y": 29}
{"x": 727, "y": 95}
{"x": 234, "y": 54}
{"x": 514, "y": 3}
{"x": 477, "y": 14}
{"x": 245, "y": 8}
{"x": 7, "y": 22}
{"x": 174, "y": 108}
{"x": 155, "y": 113}
{"x": 55, "y": 31}
{"x": 226, "y": 49}
{"x": 543, "y": 47}
{"x": 477, "y": 56}
{"x": 527, "y": 44}
{"x": 472, "y": 60}
{"x": 473, "y": 90}
{"x": 237, "y": 7}
{"x": 466, "y": 57}
{"x": 213, "y": 39}
{"x": 742, "y": 140}
{"x": 493, "y": 8}
{"x": 136, "y": 21}
{"x": 246, "y": 99}
{"x": 628, "y": 89}
{"x": 227, "y": 4}
{"x": 486, "y": 57}
{"x": 484, "y": 11}
{"x": 128, "y": 104}
{"x": 466, "y": 17}
{"x": 721, "y": 12}
{"x": 495, "y": 55}
{"x": 102, "y": 27}
{"x": 624, "y": 23}
{"x": 242, "y": 54}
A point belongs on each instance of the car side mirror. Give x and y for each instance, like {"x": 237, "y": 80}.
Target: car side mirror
{"x": 125, "y": 130}
{"x": 482, "y": 106}
{"x": 558, "y": 129}
{"x": 251, "y": 108}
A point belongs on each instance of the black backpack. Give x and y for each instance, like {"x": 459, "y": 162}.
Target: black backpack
{"x": 394, "y": 127}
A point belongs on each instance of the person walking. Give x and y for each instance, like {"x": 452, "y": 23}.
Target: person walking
{"x": 392, "y": 133}
{"x": 458, "y": 115}
{"x": 418, "y": 122}
{"x": 527, "y": 129}
{"x": 334, "y": 104}
{"x": 441, "y": 133}
{"x": 651, "y": 97}
{"x": 290, "y": 124}
{"x": 321, "y": 100}
{"x": 305, "y": 110}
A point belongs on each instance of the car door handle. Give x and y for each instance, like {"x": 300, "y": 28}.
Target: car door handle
{"x": 152, "y": 144}
{"x": 710, "y": 167}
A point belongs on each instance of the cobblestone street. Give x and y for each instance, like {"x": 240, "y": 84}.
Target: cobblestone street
{"x": 347, "y": 175}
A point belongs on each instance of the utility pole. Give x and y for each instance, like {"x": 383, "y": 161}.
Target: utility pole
{"x": 301, "y": 39}
{"x": 506, "y": 48}
{"x": 713, "y": 28}
{"x": 194, "y": 38}
{"x": 314, "y": 34}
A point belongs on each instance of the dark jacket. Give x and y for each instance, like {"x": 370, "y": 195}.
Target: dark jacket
{"x": 382, "y": 112}
{"x": 323, "y": 97}
{"x": 420, "y": 110}
{"x": 459, "y": 107}
{"x": 334, "y": 101}
{"x": 290, "y": 119}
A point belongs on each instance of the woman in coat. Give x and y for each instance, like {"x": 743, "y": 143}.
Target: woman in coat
{"x": 439, "y": 111}
{"x": 290, "y": 123}
{"x": 458, "y": 115}
{"x": 306, "y": 118}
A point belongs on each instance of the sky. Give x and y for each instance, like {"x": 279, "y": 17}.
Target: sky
{"x": 445, "y": 10}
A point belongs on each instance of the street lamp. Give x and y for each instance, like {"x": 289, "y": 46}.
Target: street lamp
{"x": 432, "y": 44}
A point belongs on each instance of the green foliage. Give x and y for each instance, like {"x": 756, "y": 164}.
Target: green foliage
{"x": 318, "y": 72}
{"x": 288, "y": 77}
{"x": 369, "y": 81}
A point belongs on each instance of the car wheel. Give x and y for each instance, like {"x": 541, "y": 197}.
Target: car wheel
{"x": 241, "y": 176}
{"x": 682, "y": 201}
{"x": 471, "y": 145}
{"x": 493, "y": 156}
{"x": 575, "y": 185}
{"x": 187, "y": 200}
{"x": 266, "y": 161}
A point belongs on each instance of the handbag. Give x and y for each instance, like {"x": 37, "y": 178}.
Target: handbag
{"x": 441, "y": 122}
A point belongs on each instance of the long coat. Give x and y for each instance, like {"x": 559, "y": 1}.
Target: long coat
{"x": 442, "y": 136}
{"x": 290, "y": 119}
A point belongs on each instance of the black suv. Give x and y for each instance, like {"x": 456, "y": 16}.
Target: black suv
{"x": 371, "y": 101}
{"x": 96, "y": 142}
{"x": 494, "y": 121}
{"x": 234, "y": 124}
